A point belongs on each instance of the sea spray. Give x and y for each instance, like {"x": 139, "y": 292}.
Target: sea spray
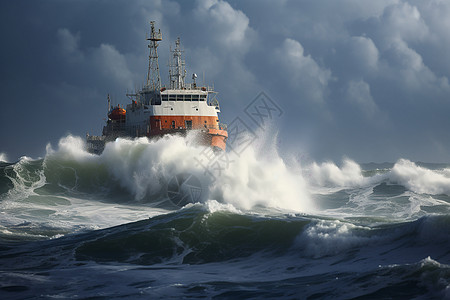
{"x": 348, "y": 175}
{"x": 3, "y": 157}
{"x": 143, "y": 167}
{"x": 404, "y": 191}
{"x": 416, "y": 178}
{"x": 421, "y": 180}
{"x": 327, "y": 173}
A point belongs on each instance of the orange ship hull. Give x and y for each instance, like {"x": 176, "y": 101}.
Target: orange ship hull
{"x": 209, "y": 132}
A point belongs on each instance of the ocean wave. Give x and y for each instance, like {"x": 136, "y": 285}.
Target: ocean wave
{"x": 142, "y": 169}
{"x": 420, "y": 179}
{"x": 192, "y": 236}
{"x": 329, "y": 174}
{"x": 24, "y": 178}
{"x": 328, "y": 238}
{"x": 149, "y": 173}
{"x": 263, "y": 228}
{"x": 207, "y": 247}
{"x": 405, "y": 190}
{"x": 3, "y": 157}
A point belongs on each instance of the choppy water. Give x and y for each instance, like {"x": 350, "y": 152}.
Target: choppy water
{"x": 120, "y": 225}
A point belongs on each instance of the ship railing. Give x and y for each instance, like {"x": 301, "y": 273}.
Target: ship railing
{"x": 214, "y": 102}
{"x": 192, "y": 86}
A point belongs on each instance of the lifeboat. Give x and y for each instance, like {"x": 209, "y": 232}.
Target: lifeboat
{"x": 117, "y": 114}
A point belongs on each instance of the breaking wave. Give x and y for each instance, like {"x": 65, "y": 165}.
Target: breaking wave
{"x": 139, "y": 170}
{"x": 329, "y": 174}
{"x": 158, "y": 219}
{"x": 144, "y": 172}
{"x": 418, "y": 179}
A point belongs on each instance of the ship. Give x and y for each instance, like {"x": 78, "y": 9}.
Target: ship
{"x": 157, "y": 110}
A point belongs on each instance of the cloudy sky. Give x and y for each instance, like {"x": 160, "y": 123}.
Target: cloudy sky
{"x": 361, "y": 79}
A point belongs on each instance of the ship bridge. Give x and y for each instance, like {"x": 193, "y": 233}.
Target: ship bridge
{"x": 184, "y": 95}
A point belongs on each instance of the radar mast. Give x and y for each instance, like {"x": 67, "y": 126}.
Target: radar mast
{"x": 153, "y": 77}
{"x": 177, "y": 71}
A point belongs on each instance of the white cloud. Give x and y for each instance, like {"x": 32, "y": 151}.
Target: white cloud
{"x": 227, "y": 26}
{"x": 112, "y": 63}
{"x": 358, "y": 93}
{"x": 302, "y": 71}
{"x": 104, "y": 59}
{"x": 403, "y": 21}
{"x": 405, "y": 66}
{"x": 399, "y": 39}
{"x": 70, "y": 44}
{"x": 364, "y": 53}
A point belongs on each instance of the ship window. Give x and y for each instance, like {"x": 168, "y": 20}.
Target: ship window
{"x": 165, "y": 97}
{"x": 202, "y": 97}
{"x": 179, "y": 97}
{"x": 173, "y": 124}
{"x": 187, "y": 97}
{"x": 195, "y": 97}
{"x": 172, "y": 98}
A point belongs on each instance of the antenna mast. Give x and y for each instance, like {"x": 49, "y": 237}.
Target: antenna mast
{"x": 153, "y": 77}
{"x": 177, "y": 71}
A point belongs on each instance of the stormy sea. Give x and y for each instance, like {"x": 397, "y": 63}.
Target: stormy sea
{"x": 168, "y": 219}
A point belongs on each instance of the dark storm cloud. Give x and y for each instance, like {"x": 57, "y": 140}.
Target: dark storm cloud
{"x": 365, "y": 79}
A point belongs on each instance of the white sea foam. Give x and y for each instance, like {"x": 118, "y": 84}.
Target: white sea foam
{"x": 246, "y": 181}
{"x": 419, "y": 179}
{"x": 213, "y": 206}
{"x": 25, "y": 182}
{"x": 329, "y": 174}
{"x": 349, "y": 175}
{"x": 69, "y": 147}
{"x": 3, "y": 157}
{"x": 251, "y": 181}
{"x": 256, "y": 178}
{"x": 330, "y": 237}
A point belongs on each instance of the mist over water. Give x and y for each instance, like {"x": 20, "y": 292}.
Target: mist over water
{"x": 274, "y": 229}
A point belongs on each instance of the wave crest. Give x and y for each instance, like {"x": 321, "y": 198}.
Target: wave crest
{"x": 419, "y": 179}
{"x": 328, "y": 173}
{"x": 144, "y": 167}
